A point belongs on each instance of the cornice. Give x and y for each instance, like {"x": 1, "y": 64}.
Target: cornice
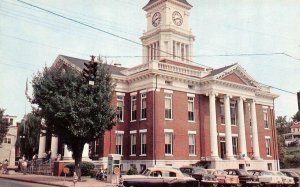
{"x": 153, "y": 33}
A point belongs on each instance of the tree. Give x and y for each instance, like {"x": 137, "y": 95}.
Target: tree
{"x": 4, "y": 124}
{"x": 29, "y": 132}
{"x": 282, "y": 125}
{"x": 75, "y": 111}
{"x": 296, "y": 117}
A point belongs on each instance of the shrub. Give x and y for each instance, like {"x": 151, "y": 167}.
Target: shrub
{"x": 86, "y": 169}
{"x": 132, "y": 171}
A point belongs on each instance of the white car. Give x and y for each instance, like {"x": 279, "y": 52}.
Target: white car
{"x": 285, "y": 179}
{"x": 266, "y": 177}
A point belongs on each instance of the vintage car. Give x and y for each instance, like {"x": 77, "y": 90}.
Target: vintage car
{"x": 289, "y": 181}
{"x": 266, "y": 177}
{"x": 198, "y": 173}
{"x": 224, "y": 179}
{"x": 158, "y": 177}
{"x": 245, "y": 178}
{"x": 294, "y": 175}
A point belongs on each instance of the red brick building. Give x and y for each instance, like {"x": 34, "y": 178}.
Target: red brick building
{"x": 174, "y": 112}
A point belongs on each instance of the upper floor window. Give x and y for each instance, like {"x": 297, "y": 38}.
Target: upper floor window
{"x": 143, "y": 106}
{"x": 168, "y": 143}
{"x": 233, "y": 113}
{"x": 192, "y": 144}
{"x": 191, "y": 109}
{"x": 133, "y": 108}
{"x": 120, "y": 107}
{"x": 132, "y": 144}
{"x": 266, "y": 121}
{"x": 268, "y": 146}
{"x": 119, "y": 144}
{"x": 168, "y": 106}
{"x": 222, "y": 113}
{"x": 143, "y": 144}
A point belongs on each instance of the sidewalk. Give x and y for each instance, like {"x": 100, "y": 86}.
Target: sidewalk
{"x": 56, "y": 181}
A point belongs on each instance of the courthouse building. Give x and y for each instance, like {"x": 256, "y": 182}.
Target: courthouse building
{"x": 174, "y": 112}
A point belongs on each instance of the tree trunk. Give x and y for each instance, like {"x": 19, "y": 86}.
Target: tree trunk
{"x": 77, "y": 155}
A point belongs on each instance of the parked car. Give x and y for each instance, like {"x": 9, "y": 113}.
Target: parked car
{"x": 294, "y": 175}
{"x": 198, "y": 173}
{"x": 158, "y": 177}
{"x": 223, "y": 178}
{"x": 266, "y": 177}
{"x": 245, "y": 178}
{"x": 288, "y": 181}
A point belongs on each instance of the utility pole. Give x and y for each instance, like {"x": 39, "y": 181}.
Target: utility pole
{"x": 90, "y": 71}
{"x": 298, "y": 96}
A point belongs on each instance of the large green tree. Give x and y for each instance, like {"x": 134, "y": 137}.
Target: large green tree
{"x": 75, "y": 111}
{"x": 29, "y": 132}
{"x": 296, "y": 117}
{"x": 4, "y": 124}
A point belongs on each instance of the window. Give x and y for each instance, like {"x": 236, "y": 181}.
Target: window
{"x": 168, "y": 143}
{"x": 235, "y": 145}
{"x": 132, "y": 144}
{"x": 96, "y": 147}
{"x": 191, "y": 109}
{"x": 119, "y": 143}
{"x": 120, "y": 107}
{"x": 143, "y": 106}
{"x": 266, "y": 121}
{"x": 192, "y": 144}
{"x": 233, "y": 113}
{"x": 133, "y": 108}
{"x": 168, "y": 106}
{"x": 7, "y": 140}
{"x": 249, "y": 109}
{"x": 143, "y": 144}
{"x": 268, "y": 146}
{"x": 222, "y": 114}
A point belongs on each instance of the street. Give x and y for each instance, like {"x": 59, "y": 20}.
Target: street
{"x": 13, "y": 183}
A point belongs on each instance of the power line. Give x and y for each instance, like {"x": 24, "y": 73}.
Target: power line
{"x": 101, "y": 30}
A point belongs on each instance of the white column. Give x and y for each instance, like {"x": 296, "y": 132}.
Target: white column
{"x": 145, "y": 54}
{"x": 42, "y": 144}
{"x": 241, "y": 122}
{"x": 85, "y": 152}
{"x": 54, "y": 146}
{"x": 213, "y": 127}
{"x": 255, "y": 144}
{"x": 67, "y": 153}
{"x": 178, "y": 51}
{"x": 158, "y": 51}
{"x": 228, "y": 135}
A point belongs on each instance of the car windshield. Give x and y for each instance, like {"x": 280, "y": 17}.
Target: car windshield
{"x": 266, "y": 173}
{"x": 280, "y": 174}
{"x": 146, "y": 172}
{"x": 293, "y": 174}
{"x": 200, "y": 170}
{"x": 244, "y": 172}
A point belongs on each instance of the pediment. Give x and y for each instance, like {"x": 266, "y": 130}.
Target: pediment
{"x": 235, "y": 74}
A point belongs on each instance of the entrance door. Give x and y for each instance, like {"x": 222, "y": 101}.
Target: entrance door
{"x": 223, "y": 149}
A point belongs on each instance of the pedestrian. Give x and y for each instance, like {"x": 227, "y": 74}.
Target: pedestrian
{"x": 24, "y": 166}
{"x": 58, "y": 157}
{"x": 4, "y": 166}
{"x": 49, "y": 155}
{"x": 45, "y": 157}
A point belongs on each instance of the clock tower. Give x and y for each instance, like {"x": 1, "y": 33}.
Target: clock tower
{"x": 168, "y": 34}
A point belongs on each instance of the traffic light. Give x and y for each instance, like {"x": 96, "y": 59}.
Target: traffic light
{"x": 90, "y": 71}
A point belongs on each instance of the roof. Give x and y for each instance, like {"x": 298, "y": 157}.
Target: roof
{"x": 220, "y": 70}
{"x": 115, "y": 70}
{"x": 154, "y": 1}
{"x": 295, "y": 125}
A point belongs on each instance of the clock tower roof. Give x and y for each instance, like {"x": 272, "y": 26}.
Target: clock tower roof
{"x": 154, "y": 1}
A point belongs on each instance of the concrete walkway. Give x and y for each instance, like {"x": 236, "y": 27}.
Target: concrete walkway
{"x": 55, "y": 181}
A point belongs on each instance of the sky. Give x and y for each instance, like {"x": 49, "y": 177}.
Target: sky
{"x": 263, "y": 36}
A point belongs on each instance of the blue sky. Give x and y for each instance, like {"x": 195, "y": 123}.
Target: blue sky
{"x": 31, "y": 39}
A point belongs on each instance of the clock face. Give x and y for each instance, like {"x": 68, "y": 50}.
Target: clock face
{"x": 156, "y": 19}
{"x": 177, "y": 18}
